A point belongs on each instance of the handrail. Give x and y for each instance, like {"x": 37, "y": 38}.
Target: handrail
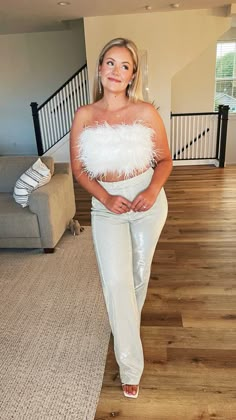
{"x": 53, "y": 118}
{"x": 62, "y": 86}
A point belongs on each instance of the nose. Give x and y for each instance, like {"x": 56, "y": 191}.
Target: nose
{"x": 115, "y": 70}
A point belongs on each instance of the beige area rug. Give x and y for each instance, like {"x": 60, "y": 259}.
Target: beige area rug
{"x": 54, "y": 332}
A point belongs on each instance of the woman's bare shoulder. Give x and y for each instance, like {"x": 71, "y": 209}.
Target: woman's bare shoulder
{"x": 88, "y": 112}
{"x": 145, "y": 111}
{"x": 84, "y": 111}
{"x": 146, "y": 107}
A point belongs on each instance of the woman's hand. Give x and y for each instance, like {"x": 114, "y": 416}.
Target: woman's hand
{"x": 117, "y": 204}
{"x": 144, "y": 200}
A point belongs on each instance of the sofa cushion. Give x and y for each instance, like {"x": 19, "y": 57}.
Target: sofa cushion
{"x": 12, "y": 167}
{"x": 16, "y": 222}
{"x": 36, "y": 176}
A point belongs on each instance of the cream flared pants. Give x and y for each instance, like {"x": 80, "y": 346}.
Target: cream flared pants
{"x": 124, "y": 246}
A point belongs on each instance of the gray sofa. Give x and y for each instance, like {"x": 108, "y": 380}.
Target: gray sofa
{"x": 51, "y": 207}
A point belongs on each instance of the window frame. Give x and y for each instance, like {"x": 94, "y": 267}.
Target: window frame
{"x": 227, "y": 78}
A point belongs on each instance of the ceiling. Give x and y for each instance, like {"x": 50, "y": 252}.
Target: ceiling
{"x": 20, "y": 16}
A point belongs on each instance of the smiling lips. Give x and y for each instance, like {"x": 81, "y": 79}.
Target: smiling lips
{"x": 113, "y": 80}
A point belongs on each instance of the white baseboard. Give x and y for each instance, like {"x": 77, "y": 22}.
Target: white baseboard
{"x": 196, "y": 162}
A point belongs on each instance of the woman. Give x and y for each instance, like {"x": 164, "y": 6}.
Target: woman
{"x": 120, "y": 155}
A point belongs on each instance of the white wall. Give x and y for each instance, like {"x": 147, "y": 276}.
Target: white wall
{"x": 230, "y": 157}
{"x": 230, "y": 34}
{"x": 193, "y": 87}
{"x": 193, "y": 90}
{"x": 33, "y": 66}
{"x": 172, "y": 40}
{"x": 61, "y": 150}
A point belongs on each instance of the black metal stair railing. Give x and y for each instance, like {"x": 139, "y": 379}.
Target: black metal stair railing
{"x": 53, "y": 119}
{"x": 199, "y": 136}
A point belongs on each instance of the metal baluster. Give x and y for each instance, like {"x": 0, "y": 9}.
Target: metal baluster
{"x": 68, "y": 106}
{"x": 56, "y": 120}
{"x": 43, "y": 129}
{"x": 193, "y": 136}
{"x": 46, "y": 128}
{"x": 206, "y": 136}
{"x": 65, "y": 110}
{"x": 189, "y": 137}
{"x": 62, "y": 113}
{"x": 185, "y": 136}
{"x": 77, "y": 90}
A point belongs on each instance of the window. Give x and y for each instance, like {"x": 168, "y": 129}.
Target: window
{"x": 225, "y": 90}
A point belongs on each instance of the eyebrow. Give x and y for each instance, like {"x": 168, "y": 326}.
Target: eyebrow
{"x": 123, "y": 62}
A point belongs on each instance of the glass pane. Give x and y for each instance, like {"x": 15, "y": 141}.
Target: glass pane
{"x": 226, "y": 59}
{"x": 225, "y": 90}
{"x": 225, "y": 65}
{"x": 224, "y": 86}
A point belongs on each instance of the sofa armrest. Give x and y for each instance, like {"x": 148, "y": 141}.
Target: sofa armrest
{"x": 54, "y": 204}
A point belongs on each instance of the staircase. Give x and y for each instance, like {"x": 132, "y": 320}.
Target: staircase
{"x": 53, "y": 119}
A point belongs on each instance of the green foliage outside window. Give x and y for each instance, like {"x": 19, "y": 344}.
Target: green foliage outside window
{"x": 225, "y": 65}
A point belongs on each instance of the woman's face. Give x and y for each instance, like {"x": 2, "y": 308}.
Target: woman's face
{"x": 116, "y": 70}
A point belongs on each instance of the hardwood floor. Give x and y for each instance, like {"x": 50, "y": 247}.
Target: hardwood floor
{"x": 189, "y": 318}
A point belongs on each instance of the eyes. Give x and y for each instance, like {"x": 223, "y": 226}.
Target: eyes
{"x": 111, "y": 63}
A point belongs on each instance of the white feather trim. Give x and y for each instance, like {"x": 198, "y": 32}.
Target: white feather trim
{"x": 121, "y": 148}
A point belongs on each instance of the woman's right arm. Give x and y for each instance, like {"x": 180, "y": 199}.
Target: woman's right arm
{"x": 91, "y": 185}
{"x": 113, "y": 203}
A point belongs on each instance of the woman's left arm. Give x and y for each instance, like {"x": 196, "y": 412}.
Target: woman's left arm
{"x": 145, "y": 200}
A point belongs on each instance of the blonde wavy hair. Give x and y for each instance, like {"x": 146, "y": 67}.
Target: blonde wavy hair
{"x": 134, "y": 90}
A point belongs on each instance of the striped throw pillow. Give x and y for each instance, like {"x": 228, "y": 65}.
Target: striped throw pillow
{"x": 36, "y": 176}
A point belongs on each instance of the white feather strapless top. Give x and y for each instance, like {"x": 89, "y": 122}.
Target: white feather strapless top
{"x": 121, "y": 148}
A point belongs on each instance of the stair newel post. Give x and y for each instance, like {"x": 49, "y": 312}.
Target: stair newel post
{"x": 224, "y": 126}
{"x": 37, "y": 130}
{"x": 218, "y": 130}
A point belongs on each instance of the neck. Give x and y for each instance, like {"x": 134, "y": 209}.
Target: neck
{"x": 114, "y": 102}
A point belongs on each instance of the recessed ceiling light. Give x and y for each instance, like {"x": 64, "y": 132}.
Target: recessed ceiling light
{"x": 148, "y": 7}
{"x": 175, "y": 5}
{"x": 63, "y": 3}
